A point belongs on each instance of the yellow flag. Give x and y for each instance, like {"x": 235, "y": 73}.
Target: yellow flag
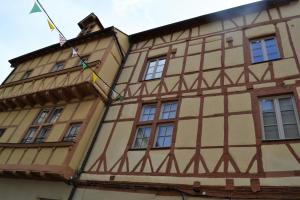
{"x": 51, "y": 26}
{"x": 94, "y": 77}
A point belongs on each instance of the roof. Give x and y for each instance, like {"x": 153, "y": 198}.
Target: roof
{"x": 228, "y": 13}
{"x": 72, "y": 42}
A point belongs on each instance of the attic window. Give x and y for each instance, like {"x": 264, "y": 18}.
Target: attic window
{"x": 26, "y": 74}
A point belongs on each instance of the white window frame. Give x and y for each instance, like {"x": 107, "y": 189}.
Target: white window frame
{"x": 162, "y": 109}
{"x": 264, "y": 49}
{"x": 155, "y": 68}
{"x": 135, "y": 137}
{"x": 279, "y": 117}
{"x": 143, "y": 110}
{"x": 156, "y": 135}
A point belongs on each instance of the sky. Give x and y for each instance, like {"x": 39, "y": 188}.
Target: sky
{"x": 21, "y": 33}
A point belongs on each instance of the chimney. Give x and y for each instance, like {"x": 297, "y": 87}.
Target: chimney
{"x": 89, "y": 24}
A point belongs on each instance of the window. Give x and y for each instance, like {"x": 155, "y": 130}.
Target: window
{"x": 168, "y": 110}
{"x": 57, "y": 67}
{"x": 264, "y": 50}
{"x": 2, "y": 130}
{"x": 148, "y": 112}
{"x": 279, "y": 118}
{"x": 72, "y": 132}
{"x": 155, "y": 68}
{"x": 43, "y": 134}
{"x": 55, "y": 115}
{"x": 41, "y": 117}
{"x": 164, "y": 136}
{"x": 42, "y": 125}
{"x": 142, "y": 137}
{"x": 29, "y": 135}
{"x": 161, "y": 136}
{"x": 26, "y": 74}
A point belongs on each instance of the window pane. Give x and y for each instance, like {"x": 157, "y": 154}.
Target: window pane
{"x": 43, "y": 134}
{"x": 55, "y": 115}
{"x": 288, "y": 117}
{"x": 272, "y": 49}
{"x": 269, "y": 118}
{"x": 271, "y": 133}
{"x": 286, "y": 104}
{"x": 148, "y": 77}
{"x": 160, "y": 68}
{"x": 160, "y": 142}
{"x": 158, "y": 75}
{"x": 162, "y": 62}
{"x": 29, "y": 135}
{"x": 257, "y": 51}
{"x": 148, "y": 113}
{"x": 291, "y": 131}
{"x": 72, "y": 132}
{"x": 169, "y": 110}
{"x": 164, "y": 136}
{"x": 152, "y": 64}
{"x": 41, "y": 117}
{"x": 142, "y": 137}
{"x": 267, "y": 105}
{"x": 150, "y": 70}
{"x": 168, "y": 141}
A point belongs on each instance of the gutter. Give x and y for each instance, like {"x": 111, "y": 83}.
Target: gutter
{"x": 75, "y": 179}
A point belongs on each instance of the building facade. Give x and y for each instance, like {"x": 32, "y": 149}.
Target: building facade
{"x": 210, "y": 110}
{"x": 51, "y": 108}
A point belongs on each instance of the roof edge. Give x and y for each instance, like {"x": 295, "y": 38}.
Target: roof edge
{"x": 74, "y": 41}
{"x": 231, "y": 12}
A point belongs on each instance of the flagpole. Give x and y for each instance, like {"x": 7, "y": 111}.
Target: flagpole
{"x": 81, "y": 60}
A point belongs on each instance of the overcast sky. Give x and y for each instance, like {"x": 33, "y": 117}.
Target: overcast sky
{"x": 22, "y": 33}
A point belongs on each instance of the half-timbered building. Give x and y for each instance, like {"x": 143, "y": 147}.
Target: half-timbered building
{"x": 209, "y": 110}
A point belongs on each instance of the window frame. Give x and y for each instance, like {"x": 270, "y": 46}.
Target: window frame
{"x": 54, "y": 67}
{"x": 26, "y": 74}
{"x": 279, "y": 122}
{"x": 40, "y": 126}
{"x": 156, "y": 135}
{"x": 264, "y": 49}
{"x": 149, "y": 61}
{"x": 73, "y": 138}
{"x": 155, "y": 124}
{"x": 135, "y": 137}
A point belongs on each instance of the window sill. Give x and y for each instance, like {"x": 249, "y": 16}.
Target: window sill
{"x": 154, "y": 79}
{"x": 160, "y": 148}
{"x": 35, "y": 145}
{"x": 266, "y": 61}
{"x": 280, "y": 141}
{"x": 153, "y": 148}
{"x": 142, "y": 149}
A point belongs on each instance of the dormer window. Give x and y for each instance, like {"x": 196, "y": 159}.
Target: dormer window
{"x": 26, "y": 74}
{"x": 57, "y": 67}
